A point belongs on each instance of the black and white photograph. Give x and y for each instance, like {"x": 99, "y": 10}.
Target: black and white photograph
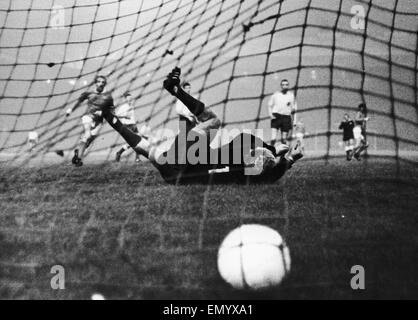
{"x": 208, "y": 150}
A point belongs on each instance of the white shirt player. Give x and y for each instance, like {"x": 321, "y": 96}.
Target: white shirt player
{"x": 282, "y": 103}
{"x": 126, "y": 114}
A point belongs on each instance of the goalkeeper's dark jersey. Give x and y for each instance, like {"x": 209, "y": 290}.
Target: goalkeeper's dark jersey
{"x": 199, "y": 173}
{"x": 97, "y": 103}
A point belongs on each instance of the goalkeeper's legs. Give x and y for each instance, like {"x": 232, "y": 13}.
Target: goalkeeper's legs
{"x": 172, "y": 85}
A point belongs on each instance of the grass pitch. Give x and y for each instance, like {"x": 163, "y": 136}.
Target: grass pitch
{"x": 118, "y": 229}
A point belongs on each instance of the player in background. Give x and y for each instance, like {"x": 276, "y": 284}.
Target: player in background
{"x": 359, "y": 131}
{"x": 360, "y": 143}
{"x": 281, "y": 106}
{"x": 361, "y": 118}
{"x": 183, "y": 112}
{"x": 270, "y": 163}
{"x": 299, "y": 132}
{"x": 33, "y": 139}
{"x": 98, "y": 101}
{"x": 347, "y": 125}
{"x": 126, "y": 115}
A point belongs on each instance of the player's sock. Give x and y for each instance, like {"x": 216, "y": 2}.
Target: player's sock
{"x": 83, "y": 147}
{"x": 348, "y": 153}
{"x": 75, "y": 158}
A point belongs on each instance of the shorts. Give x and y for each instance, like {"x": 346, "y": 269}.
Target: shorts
{"x": 357, "y": 133}
{"x": 94, "y": 122}
{"x": 281, "y": 122}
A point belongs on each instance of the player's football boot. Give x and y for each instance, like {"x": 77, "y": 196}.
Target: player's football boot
{"x": 296, "y": 152}
{"x": 76, "y": 160}
{"x": 79, "y": 163}
{"x": 75, "y": 157}
{"x": 172, "y": 83}
{"x": 118, "y": 155}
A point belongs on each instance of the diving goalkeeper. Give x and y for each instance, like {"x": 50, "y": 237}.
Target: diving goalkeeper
{"x": 246, "y": 159}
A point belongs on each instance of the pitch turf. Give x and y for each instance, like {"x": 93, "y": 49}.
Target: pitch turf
{"x": 118, "y": 229}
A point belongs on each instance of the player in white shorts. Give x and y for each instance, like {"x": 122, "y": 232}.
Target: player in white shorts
{"x": 33, "y": 140}
{"x": 126, "y": 115}
{"x": 359, "y": 131}
{"x": 299, "y": 131}
{"x": 360, "y": 142}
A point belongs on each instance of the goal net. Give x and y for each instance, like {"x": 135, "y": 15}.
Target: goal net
{"x": 335, "y": 54}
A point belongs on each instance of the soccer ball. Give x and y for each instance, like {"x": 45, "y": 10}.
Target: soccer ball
{"x": 253, "y": 257}
{"x": 97, "y": 296}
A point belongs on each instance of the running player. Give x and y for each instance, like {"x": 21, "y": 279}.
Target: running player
{"x": 247, "y": 154}
{"x": 361, "y": 118}
{"x": 33, "y": 139}
{"x": 360, "y": 143}
{"x": 126, "y": 115}
{"x": 299, "y": 131}
{"x": 359, "y": 131}
{"x": 347, "y": 125}
{"x": 98, "y": 101}
{"x": 183, "y": 112}
{"x": 282, "y": 105}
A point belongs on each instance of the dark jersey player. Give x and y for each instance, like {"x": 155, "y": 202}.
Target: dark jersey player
{"x": 98, "y": 102}
{"x": 245, "y": 159}
{"x": 347, "y": 125}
